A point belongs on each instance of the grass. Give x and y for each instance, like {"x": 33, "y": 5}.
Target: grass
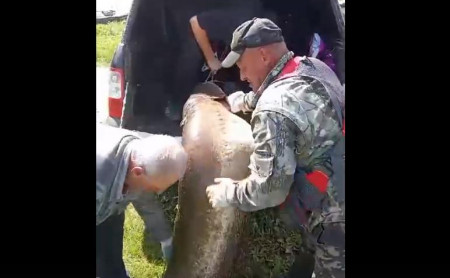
{"x": 108, "y": 37}
{"x": 142, "y": 257}
{"x": 271, "y": 246}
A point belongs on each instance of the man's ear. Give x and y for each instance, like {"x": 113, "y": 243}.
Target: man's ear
{"x": 264, "y": 55}
{"x": 137, "y": 171}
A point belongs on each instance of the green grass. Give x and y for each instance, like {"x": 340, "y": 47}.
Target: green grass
{"x": 108, "y": 37}
{"x": 271, "y": 245}
{"x": 142, "y": 257}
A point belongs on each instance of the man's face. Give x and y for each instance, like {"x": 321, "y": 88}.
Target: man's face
{"x": 254, "y": 67}
{"x": 138, "y": 180}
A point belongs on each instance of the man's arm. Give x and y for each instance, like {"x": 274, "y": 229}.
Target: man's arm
{"x": 240, "y": 101}
{"x": 272, "y": 166}
{"x": 203, "y": 41}
{"x": 151, "y": 211}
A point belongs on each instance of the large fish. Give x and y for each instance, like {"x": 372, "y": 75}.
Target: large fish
{"x": 219, "y": 144}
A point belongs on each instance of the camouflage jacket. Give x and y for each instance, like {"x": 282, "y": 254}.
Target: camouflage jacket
{"x": 294, "y": 125}
{"x": 113, "y": 154}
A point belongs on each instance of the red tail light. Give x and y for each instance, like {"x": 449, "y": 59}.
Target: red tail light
{"x": 116, "y": 92}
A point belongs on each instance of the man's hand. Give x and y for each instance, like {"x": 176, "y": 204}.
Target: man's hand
{"x": 236, "y": 101}
{"x": 167, "y": 249}
{"x": 221, "y": 193}
{"x": 214, "y": 64}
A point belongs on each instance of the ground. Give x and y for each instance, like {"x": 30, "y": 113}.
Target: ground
{"x": 142, "y": 257}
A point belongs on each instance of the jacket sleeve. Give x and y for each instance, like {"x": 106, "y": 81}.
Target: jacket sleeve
{"x": 272, "y": 163}
{"x": 249, "y": 101}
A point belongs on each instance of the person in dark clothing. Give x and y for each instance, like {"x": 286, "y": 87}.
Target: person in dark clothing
{"x": 214, "y": 25}
{"x": 218, "y": 25}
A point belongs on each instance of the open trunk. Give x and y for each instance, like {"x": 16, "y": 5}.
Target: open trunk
{"x": 156, "y": 29}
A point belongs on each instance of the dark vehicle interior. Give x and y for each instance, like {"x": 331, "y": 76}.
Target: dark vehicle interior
{"x": 156, "y": 28}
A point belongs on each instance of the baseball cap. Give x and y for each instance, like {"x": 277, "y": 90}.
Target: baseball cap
{"x": 252, "y": 33}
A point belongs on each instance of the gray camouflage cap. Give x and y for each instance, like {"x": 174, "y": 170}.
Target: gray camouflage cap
{"x": 252, "y": 33}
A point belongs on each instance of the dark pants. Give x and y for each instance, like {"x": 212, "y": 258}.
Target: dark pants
{"x": 109, "y": 243}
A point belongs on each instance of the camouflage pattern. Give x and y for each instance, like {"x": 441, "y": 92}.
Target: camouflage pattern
{"x": 327, "y": 233}
{"x": 323, "y": 230}
{"x": 272, "y": 163}
{"x": 295, "y": 127}
{"x": 251, "y": 98}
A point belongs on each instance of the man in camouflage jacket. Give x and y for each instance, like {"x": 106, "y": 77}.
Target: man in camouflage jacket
{"x": 298, "y": 161}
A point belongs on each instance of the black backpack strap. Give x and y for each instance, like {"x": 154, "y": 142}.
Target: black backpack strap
{"x": 314, "y": 68}
{"x": 337, "y": 107}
